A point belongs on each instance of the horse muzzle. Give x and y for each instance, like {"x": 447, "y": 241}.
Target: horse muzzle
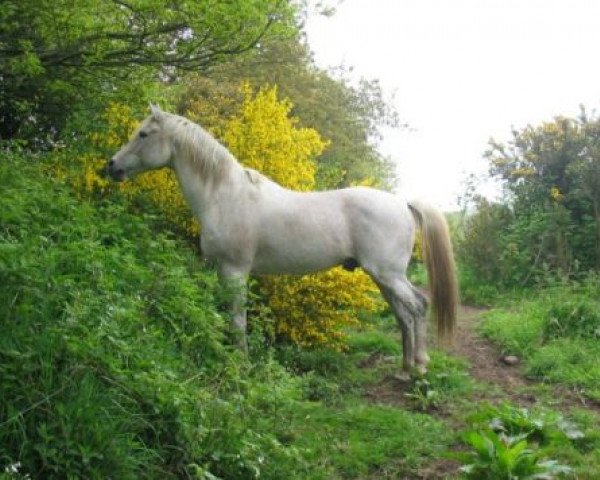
{"x": 116, "y": 173}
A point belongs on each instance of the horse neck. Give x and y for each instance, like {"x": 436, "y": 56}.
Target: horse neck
{"x": 200, "y": 187}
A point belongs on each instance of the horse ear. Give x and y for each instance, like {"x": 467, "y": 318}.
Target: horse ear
{"x": 157, "y": 113}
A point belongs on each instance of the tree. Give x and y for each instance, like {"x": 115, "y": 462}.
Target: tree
{"x": 584, "y": 172}
{"x": 53, "y": 52}
{"x": 549, "y": 219}
{"x": 349, "y": 116}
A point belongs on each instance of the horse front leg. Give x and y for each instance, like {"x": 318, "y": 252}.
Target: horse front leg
{"x": 235, "y": 285}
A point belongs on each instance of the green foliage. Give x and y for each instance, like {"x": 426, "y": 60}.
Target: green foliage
{"x": 88, "y": 296}
{"x": 62, "y": 55}
{"x": 349, "y": 116}
{"x": 574, "y": 317}
{"x": 424, "y": 395}
{"x": 445, "y": 382}
{"x": 549, "y": 220}
{"x": 373, "y": 342}
{"x": 543, "y": 426}
{"x": 509, "y": 443}
{"x": 498, "y": 457}
{"x": 365, "y": 441}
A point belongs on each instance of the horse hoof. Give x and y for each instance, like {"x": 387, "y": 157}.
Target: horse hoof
{"x": 403, "y": 377}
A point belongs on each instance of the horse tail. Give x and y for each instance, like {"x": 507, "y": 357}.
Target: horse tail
{"x": 441, "y": 270}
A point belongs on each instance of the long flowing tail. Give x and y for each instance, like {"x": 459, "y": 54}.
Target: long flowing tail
{"x": 439, "y": 261}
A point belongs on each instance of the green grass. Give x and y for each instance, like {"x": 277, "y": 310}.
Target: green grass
{"x": 556, "y": 334}
{"x": 361, "y": 440}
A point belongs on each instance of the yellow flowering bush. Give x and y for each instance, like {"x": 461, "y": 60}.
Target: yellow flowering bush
{"x": 312, "y": 309}
{"x": 264, "y": 137}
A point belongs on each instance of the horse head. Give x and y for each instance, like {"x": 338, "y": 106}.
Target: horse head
{"x": 148, "y": 149}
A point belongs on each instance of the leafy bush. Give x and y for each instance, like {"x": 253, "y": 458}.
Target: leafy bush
{"x": 542, "y": 426}
{"x": 509, "y": 442}
{"x": 111, "y": 355}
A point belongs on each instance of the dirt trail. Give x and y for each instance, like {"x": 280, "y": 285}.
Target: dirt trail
{"x": 485, "y": 366}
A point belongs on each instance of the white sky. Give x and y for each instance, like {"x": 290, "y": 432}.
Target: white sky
{"x": 464, "y": 71}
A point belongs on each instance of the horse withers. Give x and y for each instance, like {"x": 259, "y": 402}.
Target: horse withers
{"x": 252, "y": 225}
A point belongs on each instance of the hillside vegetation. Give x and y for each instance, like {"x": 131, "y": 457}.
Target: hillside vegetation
{"x": 115, "y": 350}
{"x": 114, "y": 362}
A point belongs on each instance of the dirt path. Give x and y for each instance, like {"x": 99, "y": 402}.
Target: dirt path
{"x": 485, "y": 366}
{"x": 507, "y": 382}
{"x": 485, "y": 358}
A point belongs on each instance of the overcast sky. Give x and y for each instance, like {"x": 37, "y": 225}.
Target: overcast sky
{"x": 463, "y": 71}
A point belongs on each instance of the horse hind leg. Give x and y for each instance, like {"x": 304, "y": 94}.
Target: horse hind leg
{"x": 420, "y": 326}
{"x": 407, "y": 308}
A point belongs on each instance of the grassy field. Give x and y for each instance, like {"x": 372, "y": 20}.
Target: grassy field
{"x": 114, "y": 363}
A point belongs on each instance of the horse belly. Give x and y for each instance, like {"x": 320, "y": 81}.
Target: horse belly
{"x": 301, "y": 248}
{"x": 292, "y": 264}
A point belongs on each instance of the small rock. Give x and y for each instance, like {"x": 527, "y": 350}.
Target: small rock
{"x": 509, "y": 360}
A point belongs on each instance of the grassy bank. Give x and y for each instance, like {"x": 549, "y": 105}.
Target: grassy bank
{"x": 114, "y": 360}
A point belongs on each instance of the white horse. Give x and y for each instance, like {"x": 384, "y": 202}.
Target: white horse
{"x": 251, "y": 225}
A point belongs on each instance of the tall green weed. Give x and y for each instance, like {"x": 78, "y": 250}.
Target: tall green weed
{"x": 112, "y": 359}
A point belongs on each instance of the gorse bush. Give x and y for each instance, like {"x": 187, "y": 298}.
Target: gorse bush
{"x": 263, "y": 136}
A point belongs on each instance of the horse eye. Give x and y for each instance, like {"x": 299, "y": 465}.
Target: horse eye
{"x": 143, "y": 134}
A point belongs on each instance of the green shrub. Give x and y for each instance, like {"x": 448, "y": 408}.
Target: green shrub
{"x": 541, "y": 426}
{"x": 112, "y": 362}
{"x": 507, "y": 442}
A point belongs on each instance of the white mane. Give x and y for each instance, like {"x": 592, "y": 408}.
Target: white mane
{"x": 196, "y": 145}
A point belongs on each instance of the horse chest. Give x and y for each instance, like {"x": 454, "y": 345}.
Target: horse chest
{"x": 226, "y": 245}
